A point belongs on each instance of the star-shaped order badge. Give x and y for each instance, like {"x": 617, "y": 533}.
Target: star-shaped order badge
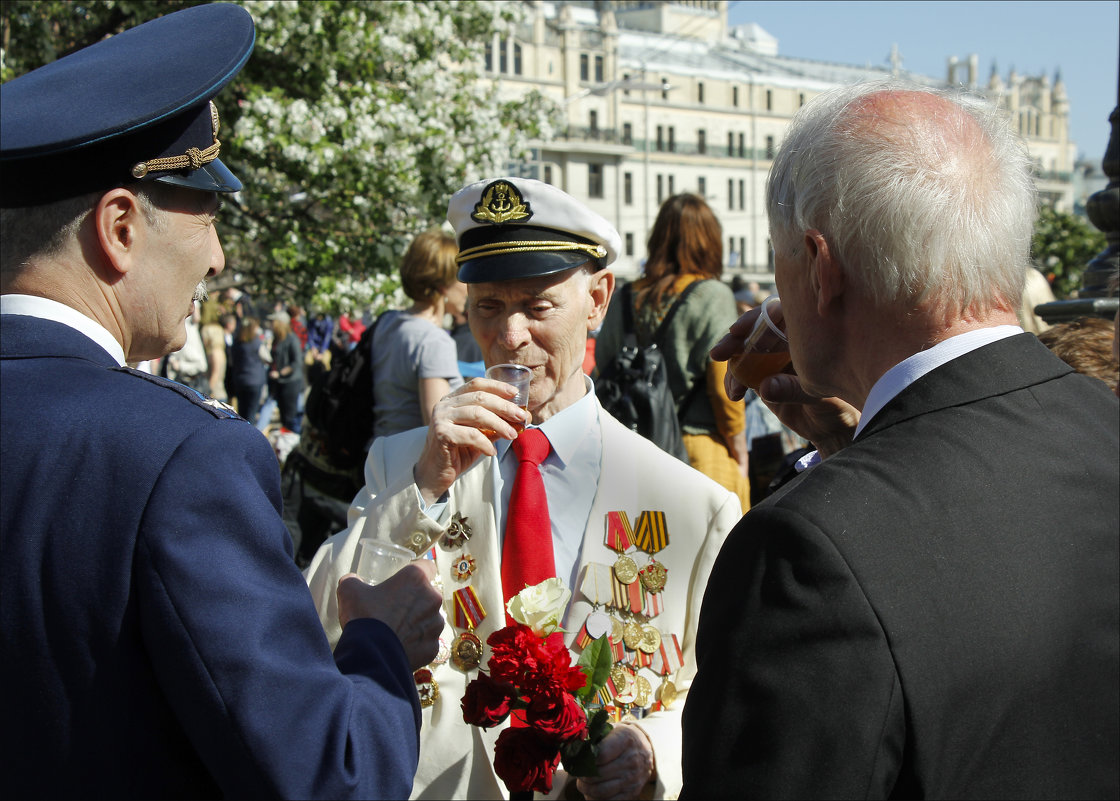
{"x": 463, "y": 567}
{"x": 457, "y": 533}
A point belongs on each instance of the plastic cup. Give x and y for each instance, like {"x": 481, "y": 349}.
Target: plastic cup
{"x": 766, "y": 348}
{"x": 378, "y": 559}
{"x": 518, "y": 375}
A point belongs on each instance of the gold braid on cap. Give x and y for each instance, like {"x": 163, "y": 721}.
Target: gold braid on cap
{"x": 193, "y": 158}
{"x": 502, "y": 248}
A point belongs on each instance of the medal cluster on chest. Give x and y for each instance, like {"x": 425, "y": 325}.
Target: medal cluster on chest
{"x": 626, "y": 598}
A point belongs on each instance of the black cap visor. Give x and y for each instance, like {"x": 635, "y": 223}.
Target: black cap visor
{"x": 212, "y": 177}
{"x": 515, "y": 266}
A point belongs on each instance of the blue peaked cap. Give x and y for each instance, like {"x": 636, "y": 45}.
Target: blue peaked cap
{"x": 133, "y": 107}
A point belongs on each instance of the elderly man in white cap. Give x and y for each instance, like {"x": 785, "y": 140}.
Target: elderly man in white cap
{"x": 535, "y": 264}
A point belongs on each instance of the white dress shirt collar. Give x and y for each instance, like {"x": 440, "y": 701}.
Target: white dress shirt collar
{"x": 910, "y": 370}
{"x": 32, "y": 306}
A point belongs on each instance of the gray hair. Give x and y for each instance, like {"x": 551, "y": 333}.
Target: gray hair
{"x": 918, "y": 208}
{"x": 31, "y": 233}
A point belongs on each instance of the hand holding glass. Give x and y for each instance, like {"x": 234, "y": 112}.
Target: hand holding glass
{"x": 378, "y": 560}
{"x": 765, "y": 350}
{"x": 520, "y": 377}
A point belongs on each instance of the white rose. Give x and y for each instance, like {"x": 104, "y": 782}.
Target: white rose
{"x": 541, "y": 607}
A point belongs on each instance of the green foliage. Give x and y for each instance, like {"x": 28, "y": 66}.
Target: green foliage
{"x": 351, "y": 126}
{"x": 1062, "y": 246}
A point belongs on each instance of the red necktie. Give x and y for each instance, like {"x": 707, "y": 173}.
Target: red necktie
{"x": 527, "y": 550}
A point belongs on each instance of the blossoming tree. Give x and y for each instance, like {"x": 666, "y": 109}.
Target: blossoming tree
{"x": 351, "y": 126}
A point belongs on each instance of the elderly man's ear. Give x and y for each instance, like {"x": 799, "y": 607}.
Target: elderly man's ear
{"x": 826, "y": 275}
{"x": 600, "y": 287}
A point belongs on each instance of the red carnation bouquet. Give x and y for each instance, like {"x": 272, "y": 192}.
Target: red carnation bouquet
{"x": 532, "y": 678}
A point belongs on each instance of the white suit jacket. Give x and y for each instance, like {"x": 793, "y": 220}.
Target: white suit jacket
{"x": 456, "y": 759}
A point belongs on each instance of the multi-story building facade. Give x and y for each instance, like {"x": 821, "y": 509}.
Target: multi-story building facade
{"x": 663, "y": 97}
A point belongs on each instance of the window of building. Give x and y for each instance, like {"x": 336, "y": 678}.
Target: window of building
{"x": 503, "y": 56}
{"x": 700, "y": 92}
{"x": 800, "y": 99}
{"x": 701, "y": 141}
{"x": 742, "y": 196}
{"x": 629, "y": 244}
{"x": 702, "y": 186}
{"x": 672, "y": 140}
{"x": 660, "y": 189}
{"x": 660, "y": 140}
{"x": 743, "y": 250}
{"x": 769, "y": 100}
{"x": 627, "y": 133}
{"x": 730, "y": 143}
{"x": 584, "y": 67}
{"x": 735, "y": 96}
{"x": 742, "y": 152}
{"x": 731, "y": 194}
{"x": 625, "y": 80}
{"x": 672, "y": 188}
{"x": 628, "y": 188}
{"x": 548, "y": 173}
{"x": 769, "y": 147}
{"x": 594, "y": 180}
{"x": 516, "y": 58}
{"x": 489, "y": 56}
{"x": 598, "y": 69}
{"x": 664, "y": 88}
{"x": 593, "y": 122}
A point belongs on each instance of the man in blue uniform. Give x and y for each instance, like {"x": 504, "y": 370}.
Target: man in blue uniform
{"x": 156, "y": 637}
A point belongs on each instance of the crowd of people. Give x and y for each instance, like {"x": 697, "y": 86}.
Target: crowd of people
{"x": 927, "y": 604}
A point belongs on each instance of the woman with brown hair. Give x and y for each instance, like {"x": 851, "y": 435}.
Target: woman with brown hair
{"x": 685, "y": 246}
{"x": 414, "y": 358}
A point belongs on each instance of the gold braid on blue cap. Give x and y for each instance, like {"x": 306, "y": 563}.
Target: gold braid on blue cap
{"x": 193, "y": 158}
{"x": 502, "y": 248}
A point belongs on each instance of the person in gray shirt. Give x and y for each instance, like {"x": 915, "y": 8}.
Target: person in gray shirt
{"x": 415, "y": 361}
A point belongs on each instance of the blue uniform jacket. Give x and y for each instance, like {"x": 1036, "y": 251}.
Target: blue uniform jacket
{"x": 156, "y": 638}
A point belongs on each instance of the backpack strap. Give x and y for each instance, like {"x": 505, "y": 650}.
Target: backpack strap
{"x": 689, "y": 396}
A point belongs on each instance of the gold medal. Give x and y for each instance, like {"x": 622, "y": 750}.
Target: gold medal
{"x": 426, "y": 687}
{"x": 616, "y": 630}
{"x": 649, "y": 639}
{"x": 653, "y": 575}
{"x": 463, "y": 567}
{"x": 632, "y": 635}
{"x": 457, "y": 533}
{"x": 466, "y": 652}
{"x": 666, "y": 693}
{"x": 643, "y": 692}
{"x": 623, "y": 681}
{"x": 418, "y": 542}
{"x": 625, "y": 570}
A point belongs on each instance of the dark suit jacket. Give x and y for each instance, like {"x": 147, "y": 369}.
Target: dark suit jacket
{"x": 933, "y": 611}
{"x": 156, "y": 638}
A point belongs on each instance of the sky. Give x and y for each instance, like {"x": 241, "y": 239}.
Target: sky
{"x": 1079, "y": 38}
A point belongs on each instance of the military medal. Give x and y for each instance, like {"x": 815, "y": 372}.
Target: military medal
{"x": 651, "y": 535}
{"x": 442, "y": 655}
{"x": 666, "y": 693}
{"x": 457, "y": 533}
{"x": 596, "y": 583}
{"x": 463, "y": 567}
{"x": 598, "y": 624}
{"x": 653, "y": 575}
{"x": 616, "y": 630}
{"x": 632, "y": 635}
{"x": 466, "y": 651}
{"x": 426, "y": 687}
{"x": 649, "y": 640}
{"x": 623, "y": 681}
{"x": 643, "y": 692}
{"x": 619, "y": 539}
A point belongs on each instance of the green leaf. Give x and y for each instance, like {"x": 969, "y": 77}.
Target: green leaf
{"x": 596, "y": 662}
{"x": 598, "y": 726}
